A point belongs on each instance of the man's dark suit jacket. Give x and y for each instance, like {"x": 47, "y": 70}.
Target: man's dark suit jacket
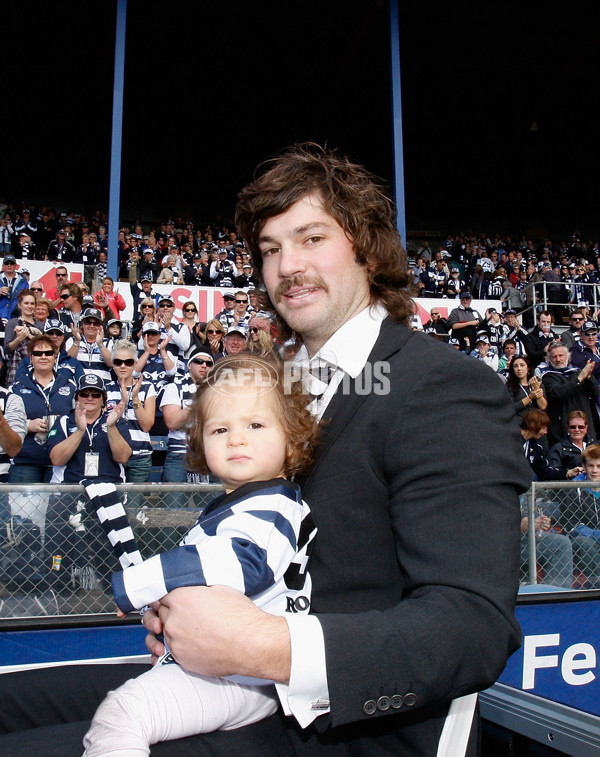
{"x": 415, "y": 566}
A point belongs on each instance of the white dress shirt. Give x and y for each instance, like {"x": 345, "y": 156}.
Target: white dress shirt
{"x": 346, "y": 353}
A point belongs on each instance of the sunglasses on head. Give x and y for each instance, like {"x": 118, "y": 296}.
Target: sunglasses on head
{"x": 90, "y": 394}
{"x": 123, "y": 361}
{"x": 39, "y": 353}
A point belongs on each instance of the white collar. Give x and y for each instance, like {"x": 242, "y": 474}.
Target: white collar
{"x": 351, "y": 345}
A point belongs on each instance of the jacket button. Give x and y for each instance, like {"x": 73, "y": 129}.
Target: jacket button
{"x": 397, "y": 701}
{"x": 383, "y": 703}
{"x": 410, "y": 699}
{"x": 369, "y": 707}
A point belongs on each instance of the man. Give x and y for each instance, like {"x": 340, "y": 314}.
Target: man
{"x": 464, "y": 322}
{"x": 6, "y": 234}
{"x": 71, "y": 299}
{"x": 496, "y": 330}
{"x": 322, "y": 278}
{"x": 11, "y": 284}
{"x": 568, "y": 388}
{"x": 587, "y": 348}
{"x": 60, "y": 248}
{"x": 247, "y": 278}
{"x": 140, "y": 290}
{"x": 222, "y": 270}
{"x": 539, "y": 337}
{"x": 178, "y": 334}
{"x": 175, "y": 404}
{"x": 243, "y": 311}
{"x": 227, "y": 315}
{"x": 572, "y": 335}
{"x": 62, "y": 279}
{"x": 401, "y": 596}
{"x": 235, "y": 341}
{"x": 515, "y": 331}
{"x": 195, "y": 272}
{"x": 27, "y": 249}
{"x": 437, "y": 325}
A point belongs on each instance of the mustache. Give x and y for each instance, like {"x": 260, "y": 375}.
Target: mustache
{"x": 298, "y": 281}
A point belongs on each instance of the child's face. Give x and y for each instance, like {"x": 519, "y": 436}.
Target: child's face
{"x": 243, "y": 438}
{"x": 592, "y": 470}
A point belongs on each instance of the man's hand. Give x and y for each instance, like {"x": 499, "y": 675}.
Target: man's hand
{"x": 216, "y": 631}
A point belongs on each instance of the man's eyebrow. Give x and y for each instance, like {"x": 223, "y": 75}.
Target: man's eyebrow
{"x": 265, "y": 238}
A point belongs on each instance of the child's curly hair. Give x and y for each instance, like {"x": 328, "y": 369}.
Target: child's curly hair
{"x": 300, "y": 427}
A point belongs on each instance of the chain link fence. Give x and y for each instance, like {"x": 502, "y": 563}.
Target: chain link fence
{"x": 55, "y": 558}
{"x": 560, "y": 535}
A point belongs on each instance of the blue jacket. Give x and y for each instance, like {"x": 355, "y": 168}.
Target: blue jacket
{"x": 58, "y": 400}
{"x": 8, "y": 302}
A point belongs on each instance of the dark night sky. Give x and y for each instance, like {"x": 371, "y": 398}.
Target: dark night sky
{"x": 212, "y": 89}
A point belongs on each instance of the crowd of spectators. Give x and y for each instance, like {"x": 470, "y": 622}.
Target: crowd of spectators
{"x": 143, "y": 374}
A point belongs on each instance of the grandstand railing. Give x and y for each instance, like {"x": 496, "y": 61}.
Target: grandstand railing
{"x": 543, "y": 297}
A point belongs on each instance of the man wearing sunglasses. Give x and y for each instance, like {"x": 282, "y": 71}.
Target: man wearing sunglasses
{"x": 227, "y": 315}
{"x": 572, "y": 335}
{"x": 11, "y": 284}
{"x": 586, "y": 350}
{"x": 243, "y": 311}
{"x": 175, "y": 404}
{"x": 71, "y": 299}
{"x": 62, "y": 280}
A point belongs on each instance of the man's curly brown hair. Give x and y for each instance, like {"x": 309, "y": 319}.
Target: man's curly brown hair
{"x": 300, "y": 427}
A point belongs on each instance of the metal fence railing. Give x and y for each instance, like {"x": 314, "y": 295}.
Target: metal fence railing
{"x": 559, "y": 548}
{"x": 55, "y": 559}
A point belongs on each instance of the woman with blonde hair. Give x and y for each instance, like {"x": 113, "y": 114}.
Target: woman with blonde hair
{"x": 213, "y": 334}
{"x": 147, "y": 314}
{"x": 260, "y": 341}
